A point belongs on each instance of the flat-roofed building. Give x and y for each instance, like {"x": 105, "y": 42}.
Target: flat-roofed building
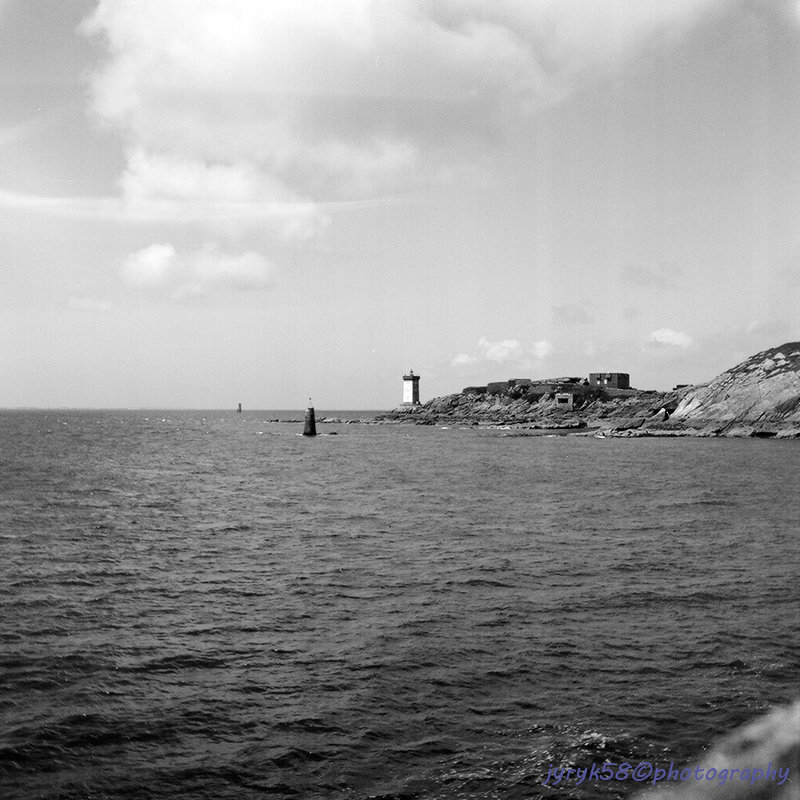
{"x": 614, "y": 380}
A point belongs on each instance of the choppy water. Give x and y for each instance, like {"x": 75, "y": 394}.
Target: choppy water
{"x": 206, "y": 605}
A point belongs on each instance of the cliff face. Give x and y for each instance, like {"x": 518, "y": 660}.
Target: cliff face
{"x": 759, "y": 397}
{"x": 761, "y": 394}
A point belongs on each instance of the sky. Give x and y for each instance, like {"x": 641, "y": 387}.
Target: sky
{"x": 212, "y": 202}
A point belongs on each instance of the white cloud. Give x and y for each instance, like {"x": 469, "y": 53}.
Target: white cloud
{"x": 505, "y": 351}
{"x": 177, "y": 177}
{"x": 314, "y": 99}
{"x": 149, "y": 267}
{"x": 250, "y": 117}
{"x": 160, "y": 268}
{"x": 666, "y": 337}
{"x": 222, "y": 195}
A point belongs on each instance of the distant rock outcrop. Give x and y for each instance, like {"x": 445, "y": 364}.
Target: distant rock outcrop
{"x": 759, "y": 397}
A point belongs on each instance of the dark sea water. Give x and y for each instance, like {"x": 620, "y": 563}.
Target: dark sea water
{"x": 206, "y": 605}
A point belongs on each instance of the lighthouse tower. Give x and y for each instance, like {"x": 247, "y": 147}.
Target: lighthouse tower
{"x": 410, "y": 389}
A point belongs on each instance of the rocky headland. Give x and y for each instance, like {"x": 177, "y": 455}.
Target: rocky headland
{"x": 759, "y": 397}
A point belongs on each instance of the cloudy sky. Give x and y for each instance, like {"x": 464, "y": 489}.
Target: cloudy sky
{"x": 206, "y": 202}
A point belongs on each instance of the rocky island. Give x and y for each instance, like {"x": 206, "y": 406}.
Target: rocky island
{"x": 759, "y": 397}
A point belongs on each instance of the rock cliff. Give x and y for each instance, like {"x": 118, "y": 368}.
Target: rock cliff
{"x": 759, "y": 397}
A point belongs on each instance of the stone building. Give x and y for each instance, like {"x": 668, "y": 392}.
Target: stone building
{"x": 613, "y": 380}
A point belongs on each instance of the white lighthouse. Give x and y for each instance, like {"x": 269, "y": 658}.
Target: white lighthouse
{"x": 410, "y": 389}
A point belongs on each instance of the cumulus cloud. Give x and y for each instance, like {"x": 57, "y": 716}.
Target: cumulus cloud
{"x": 462, "y": 360}
{"x": 666, "y": 337}
{"x": 542, "y": 349}
{"x": 223, "y": 195}
{"x": 160, "y": 268}
{"x": 251, "y": 118}
{"x": 306, "y": 99}
{"x": 150, "y": 267}
{"x": 505, "y": 351}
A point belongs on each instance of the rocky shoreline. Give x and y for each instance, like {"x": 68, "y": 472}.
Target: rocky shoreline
{"x": 759, "y": 398}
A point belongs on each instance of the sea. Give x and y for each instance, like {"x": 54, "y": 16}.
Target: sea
{"x": 206, "y": 605}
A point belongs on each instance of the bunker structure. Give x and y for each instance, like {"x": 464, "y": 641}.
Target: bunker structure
{"x": 565, "y": 400}
{"x": 613, "y": 380}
